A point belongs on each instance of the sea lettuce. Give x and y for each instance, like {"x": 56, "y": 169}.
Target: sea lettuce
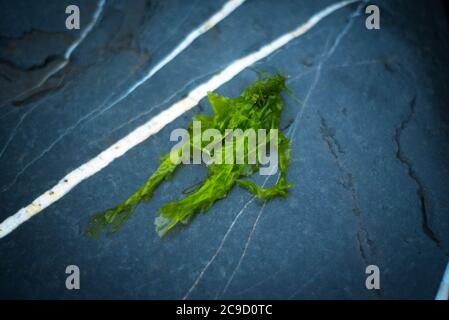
{"x": 258, "y": 107}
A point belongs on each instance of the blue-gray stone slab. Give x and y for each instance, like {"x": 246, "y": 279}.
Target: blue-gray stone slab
{"x": 369, "y": 152}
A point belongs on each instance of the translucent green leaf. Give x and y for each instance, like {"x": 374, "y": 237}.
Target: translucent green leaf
{"x": 258, "y": 107}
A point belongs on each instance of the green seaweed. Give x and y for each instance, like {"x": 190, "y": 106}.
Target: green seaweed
{"x": 258, "y": 107}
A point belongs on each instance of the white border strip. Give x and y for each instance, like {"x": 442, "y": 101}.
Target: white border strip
{"x": 158, "y": 122}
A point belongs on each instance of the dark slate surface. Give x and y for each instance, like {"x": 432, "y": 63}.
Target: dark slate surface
{"x": 370, "y": 154}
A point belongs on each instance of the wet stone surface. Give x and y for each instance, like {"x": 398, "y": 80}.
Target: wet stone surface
{"x": 369, "y": 151}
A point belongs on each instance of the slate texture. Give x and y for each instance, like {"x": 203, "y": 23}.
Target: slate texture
{"x": 369, "y": 152}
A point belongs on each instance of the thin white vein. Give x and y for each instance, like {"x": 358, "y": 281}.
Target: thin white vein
{"x": 308, "y": 282}
{"x": 11, "y": 110}
{"x": 16, "y": 127}
{"x": 68, "y": 53}
{"x": 316, "y": 78}
{"x": 261, "y": 282}
{"x": 223, "y": 240}
{"x": 86, "y": 30}
{"x": 158, "y": 122}
{"x": 217, "y": 252}
{"x": 226, "y": 10}
{"x": 248, "y": 241}
{"x": 290, "y": 46}
{"x": 326, "y": 57}
{"x": 167, "y": 100}
{"x": 306, "y": 99}
{"x": 345, "y": 30}
{"x": 338, "y": 66}
{"x": 46, "y": 150}
{"x": 173, "y": 30}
